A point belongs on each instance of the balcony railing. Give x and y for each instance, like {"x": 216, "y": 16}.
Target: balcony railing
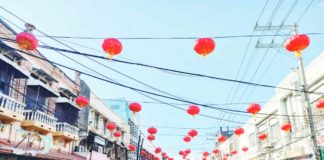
{"x": 9, "y": 103}
{"x": 65, "y": 127}
{"x": 40, "y": 117}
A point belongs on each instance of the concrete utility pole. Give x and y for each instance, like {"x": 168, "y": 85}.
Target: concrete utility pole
{"x": 304, "y": 88}
{"x": 305, "y": 100}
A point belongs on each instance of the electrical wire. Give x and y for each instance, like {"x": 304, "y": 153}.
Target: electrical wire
{"x": 178, "y": 71}
{"x": 253, "y": 55}
{"x": 166, "y": 38}
{"x": 143, "y": 91}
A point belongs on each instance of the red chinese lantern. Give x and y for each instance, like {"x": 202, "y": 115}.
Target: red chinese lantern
{"x": 263, "y": 136}
{"x": 82, "y": 101}
{"x": 297, "y": 43}
{"x": 26, "y": 41}
{"x": 234, "y": 152}
{"x": 143, "y": 152}
{"x": 320, "y": 104}
{"x": 163, "y": 154}
{"x": 254, "y": 108}
{"x": 203, "y": 159}
{"x": 131, "y": 148}
{"x": 193, "y": 110}
{"x": 152, "y": 130}
{"x": 245, "y": 149}
{"x": 238, "y": 131}
{"x": 193, "y": 133}
{"x": 158, "y": 150}
{"x": 286, "y": 127}
{"x": 224, "y": 158}
{"x": 186, "y": 139}
{"x": 135, "y": 107}
{"x": 227, "y": 155}
{"x": 187, "y": 151}
{"x": 204, "y": 46}
{"x": 216, "y": 151}
{"x": 205, "y": 154}
{"x": 170, "y": 158}
{"x": 110, "y": 126}
{"x": 117, "y": 134}
{"x": 151, "y": 137}
{"x": 221, "y": 138}
{"x": 112, "y": 46}
{"x": 181, "y": 153}
{"x": 156, "y": 158}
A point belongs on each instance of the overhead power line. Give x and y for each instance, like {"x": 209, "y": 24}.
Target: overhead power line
{"x": 123, "y": 74}
{"x": 143, "y": 91}
{"x": 172, "y": 70}
{"x": 168, "y": 38}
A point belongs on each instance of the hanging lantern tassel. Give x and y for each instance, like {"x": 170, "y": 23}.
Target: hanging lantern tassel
{"x": 298, "y": 54}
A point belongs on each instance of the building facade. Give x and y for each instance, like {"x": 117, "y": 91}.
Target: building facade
{"x": 285, "y": 106}
{"x": 95, "y": 139}
{"x": 38, "y": 115}
{"x": 39, "y": 118}
{"x": 120, "y": 107}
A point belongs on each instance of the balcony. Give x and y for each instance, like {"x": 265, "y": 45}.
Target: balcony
{"x": 66, "y": 131}
{"x": 39, "y": 121}
{"x": 67, "y": 102}
{"x": 10, "y": 109}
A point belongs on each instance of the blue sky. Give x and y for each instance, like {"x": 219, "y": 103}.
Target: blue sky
{"x": 169, "y": 18}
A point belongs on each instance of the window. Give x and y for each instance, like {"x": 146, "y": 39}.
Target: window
{"x": 115, "y": 107}
{"x": 104, "y": 128}
{"x": 234, "y": 146}
{"x": 318, "y": 112}
{"x": 100, "y": 149}
{"x": 96, "y": 121}
{"x": 252, "y": 139}
{"x": 275, "y": 129}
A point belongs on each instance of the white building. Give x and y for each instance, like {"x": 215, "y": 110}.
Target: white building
{"x": 296, "y": 144}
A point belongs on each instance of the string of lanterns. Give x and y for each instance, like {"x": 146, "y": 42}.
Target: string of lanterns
{"x": 203, "y": 47}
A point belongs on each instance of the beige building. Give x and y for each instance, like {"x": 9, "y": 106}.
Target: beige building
{"x": 38, "y": 114}
{"x": 96, "y": 138}
{"x": 279, "y": 144}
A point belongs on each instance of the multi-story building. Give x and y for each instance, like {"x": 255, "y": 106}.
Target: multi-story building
{"x": 120, "y": 107}
{"x": 38, "y": 116}
{"x": 95, "y": 140}
{"x": 285, "y": 106}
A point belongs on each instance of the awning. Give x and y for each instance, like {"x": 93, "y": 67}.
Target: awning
{"x": 21, "y": 73}
{"x": 66, "y": 93}
{"x": 53, "y": 155}
{"x": 41, "y": 74}
{"x": 32, "y": 82}
{"x": 61, "y": 156}
{"x": 67, "y": 102}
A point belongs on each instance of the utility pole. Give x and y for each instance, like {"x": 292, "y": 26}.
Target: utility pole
{"x": 305, "y": 100}
{"x": 138, "y": 146}
{"x": 303, "y": 87}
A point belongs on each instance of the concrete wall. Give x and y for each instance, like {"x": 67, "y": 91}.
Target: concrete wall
{"x": 280, "y": 144}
